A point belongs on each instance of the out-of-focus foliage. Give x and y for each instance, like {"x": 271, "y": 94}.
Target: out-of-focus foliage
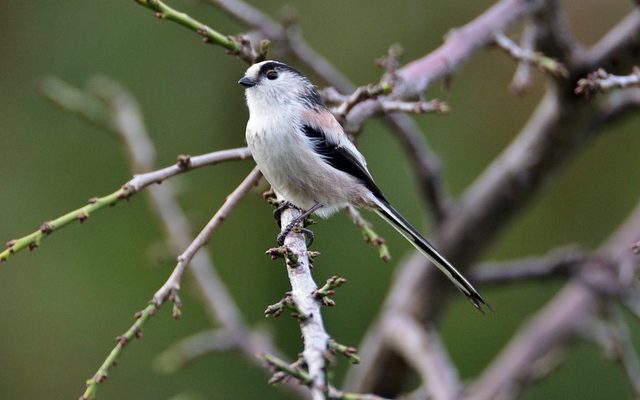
{"x": 62, "y": 305}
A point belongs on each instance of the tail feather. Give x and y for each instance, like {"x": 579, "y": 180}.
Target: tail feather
{"x": 388, "y": 213}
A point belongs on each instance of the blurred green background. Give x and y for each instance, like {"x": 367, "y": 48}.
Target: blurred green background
{"x": 62, "y": 305}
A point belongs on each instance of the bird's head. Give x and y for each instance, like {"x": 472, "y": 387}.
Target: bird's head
{"x": 271, "y": 85}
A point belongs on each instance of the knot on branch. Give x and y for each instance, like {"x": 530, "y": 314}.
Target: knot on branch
{"x": 283, "y": 252}
{"x": 328, "y": 289}
{"x": 287, "y": 302}
{"x": 284, "y": 372}
{"x": 390, "y": 63}
{"x": 602, "y": 81}
{"x": 184, "y": 161}
{"x": 348, "y": 351}
{"x": 369, "y": 235}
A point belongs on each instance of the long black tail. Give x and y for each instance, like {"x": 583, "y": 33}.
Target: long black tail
{"x": 388, "y": 213}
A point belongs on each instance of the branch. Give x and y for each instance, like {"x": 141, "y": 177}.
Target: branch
{"x": 315, "y": 337}
{"x": 172, "y": 285}
{"x": 422, "y": 348}
{"x": 522, "y": 81}
{"x": 602, "y": 81}
{"x": 134, "y": 332}
{"x": 185, "y": 163}
{"x": 191, "y": 348}
{"x": 170, "y": 289}
{"x": 559, "y": 263}
{"x": 544, "y": 63}
{"x": 369, "y": 234}
{"x": 237, "y": 46}
{"x": 612, "y": 334}
{"x": 292, "y": 370}
{"x": 124, "y": 118}
{"x": 560, "y": 126}
{"x": 560, "y": 320}
{"x": 460, "y": 45}
{"x": 76, "y": 101}
{"x": 424, "y": 163}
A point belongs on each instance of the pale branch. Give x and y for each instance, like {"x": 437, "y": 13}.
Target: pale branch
{"x": 283, "y": 370}
{"x": 460, "y": 45}
{"x": 424, "y": 164}
{"x": 615, "y": 50}
{"x": 610, "y": 331}
{"x": 359, "y": 95}
{"x": 602, "y": 81}
{"x": 415, "y": 107}
{"x": 191, "y": 348}
{"x": 237, "y": 46}
{"x": 562, "y": 262}
{"x": 172, "y": 285}
{"x": 562, "y": 318}
{"x": 424, "y": 351}
{"x": 315, "y": 337}
{"x": 544, "y": 63}
{"x": 369, "y": 235}
{"x": 559, "y": 128}
{"x": 625, "y": 351}
{"x": 522, "y": 80}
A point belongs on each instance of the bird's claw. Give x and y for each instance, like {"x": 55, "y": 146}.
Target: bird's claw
{"x": 277, "y": 213}
{"x": 308, "y": 233}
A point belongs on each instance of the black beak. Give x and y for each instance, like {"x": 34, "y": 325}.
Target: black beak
{"x": 247, "y": 82}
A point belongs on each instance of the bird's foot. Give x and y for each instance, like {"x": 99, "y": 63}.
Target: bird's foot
{"x": 308, "y": 233}
{"x": 277, "y": 213}
{"x": 301, "y": 219}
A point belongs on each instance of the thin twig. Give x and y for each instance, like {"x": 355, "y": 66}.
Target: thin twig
{"x": 522, "y": 80}
{"x": 293, "y": 371}
{"x": 172, "y": 285}
{"x": 544, "y": 63}
{"x": 602, "y": 81}
{"x": 170, "y": 289}
{"x": 125, "y": 119}
{"x": 191, "y": 348}
{"x": 236, "y": 46}
{"x": 369, "y": 234}
{"x": 185, "y": 163}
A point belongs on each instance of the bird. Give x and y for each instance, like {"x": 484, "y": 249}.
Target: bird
{"x": 305, "y": 155}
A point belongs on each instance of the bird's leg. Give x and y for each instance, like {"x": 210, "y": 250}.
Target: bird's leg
{"x": 283, "y": 234}
{"x": 277, "y": 213}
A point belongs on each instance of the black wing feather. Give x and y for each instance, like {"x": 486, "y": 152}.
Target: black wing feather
{"x": 342, "y": 159}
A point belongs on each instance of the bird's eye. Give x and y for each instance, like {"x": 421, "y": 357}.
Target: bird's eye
{"x": 271, "y": 74}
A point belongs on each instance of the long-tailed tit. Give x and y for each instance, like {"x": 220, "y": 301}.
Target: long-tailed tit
{"x": 310, "y": 162}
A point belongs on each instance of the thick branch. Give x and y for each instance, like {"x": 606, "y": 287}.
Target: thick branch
{"x": 314, "y": 335}
{"x": 557, "y": 322}
{"x": 560, "y": 126}
{"x": 423, "y": 349}
{"x": 561, "y": 262}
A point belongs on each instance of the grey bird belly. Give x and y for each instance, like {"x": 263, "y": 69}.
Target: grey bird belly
{"x": 298, "y": 174}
